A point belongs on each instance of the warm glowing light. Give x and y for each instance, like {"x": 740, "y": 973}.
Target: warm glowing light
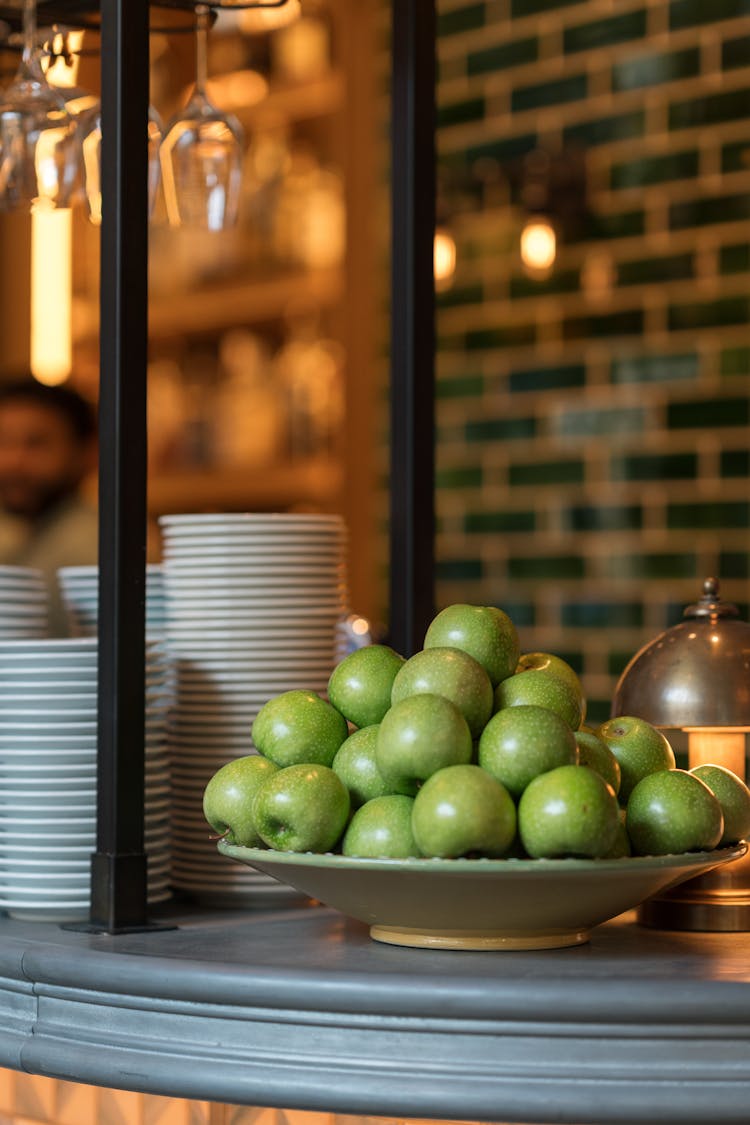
{"x": 444, "y": 257}
{"x": 360, "y": 626}
{"x": 237, "y": 90}
{"x": 51, "y": 294}
{"x": 60, "y": 72}
{"x": 268, "y": 19}
{"x": 717, "y": 746}
{"x": 538, "y": 245}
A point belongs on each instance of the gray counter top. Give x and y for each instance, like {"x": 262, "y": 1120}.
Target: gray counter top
{"x": 298, "y": 1008}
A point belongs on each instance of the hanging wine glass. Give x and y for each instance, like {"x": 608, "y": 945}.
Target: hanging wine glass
{"x": 201, "y": 154}
{"x": 91, "y": 148}
{"x": 38, "y": 151}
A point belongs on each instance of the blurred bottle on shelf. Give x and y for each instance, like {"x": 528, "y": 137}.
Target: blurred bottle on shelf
{"x": 310, "y": 370}
{"x": 309, "y": 217}
{"x": 248, "y": 419}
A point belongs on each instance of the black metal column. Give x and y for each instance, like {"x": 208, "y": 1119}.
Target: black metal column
{"x": 118, "y": 890}
{"x": 412, "y": 524}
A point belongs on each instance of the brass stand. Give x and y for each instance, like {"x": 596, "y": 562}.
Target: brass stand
{"x": 718, "y": 902}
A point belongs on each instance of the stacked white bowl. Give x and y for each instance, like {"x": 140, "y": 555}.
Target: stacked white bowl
{"x": 253, "y": 603}
{"x": 48, "y": 776}
{"x": 23, "y": 604}
{"x": 79, "y": 588}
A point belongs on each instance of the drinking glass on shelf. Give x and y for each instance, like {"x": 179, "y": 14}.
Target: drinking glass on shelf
{"x": 39, "y": 161}
{"x": 201, "y": 154}
{"x": 90, "y": 127}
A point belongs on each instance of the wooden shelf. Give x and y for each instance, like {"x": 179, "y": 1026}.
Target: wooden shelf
{"x": 225, "y": 305}
{"x": 269, "y": 488}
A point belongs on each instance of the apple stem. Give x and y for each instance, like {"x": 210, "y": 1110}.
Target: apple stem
{"x": 222, "y": 837}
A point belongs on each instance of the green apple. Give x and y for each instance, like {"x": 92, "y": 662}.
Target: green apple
{"x": 228, "y": 798}
{"x": 381, "y": 829}
{"x": 594, "y": 752}
{"x": 461, "y": 809}
{"x": 360, "y": 686}
{"x": 302, "y": 808}
{"x": 621, "y": 847}
{"x": 639, "y": 748}
{"x": 453, "y": 674}
{"x": 419, "y": 736}
{"x": 298, "y": 727}
{"x": 519, "y": 743}
{"x": 485, "y": 632}
{"x": 733, "y": 796}
{"x": 548, "y": 662}
{"x": 356, "y": 766}
{"x": 673, "y": 811}
{"x": 541, "y": 689}
{"x": 570, "y": 811}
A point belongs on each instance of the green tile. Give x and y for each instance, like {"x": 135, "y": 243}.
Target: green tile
{"x": 559, "y": 281}
{"x": 617, "y": 662}
{"x": 600, "y": 422}
{"x": 512, "y": 336}
{"x": 547, "y": 472}
{"x": 502, "y": 56}
{"x": 522, "y": 614}
{"x": 460, "y": 386}
{"x": 735, "y": 463}
{"x": 521, "y": 8}
{"x": 469, "y": 476}
{"x": 654, "y": 69}
{"x": 477, "y": 523}
{"x": 547, "y": 378}
{"x": 735, "y": 361}
{"x": 735, "y": 156}
{"x": 459, "y": 295}
{"x": 628, "y": 323}
{"x": 605, "y": 130}
{"x": 709, "y": 210}
{"x": 458, "y": 570}
{"x": 734, "y": 564}
{"x": 598, "y": 711}
{"x": 653, "y": 566}
{"x": 655, "y": 368}
{"x": 500, "y": 429}
{"x": 709, "y": 314}
{"x": 462, "y": 19}
{"x": 710, "y": 109}
{"x": 655, "y": 169}
{"x": 735, "y": 52}
{"x": 554, "y": 567}
{"x": 735, "y": 259}
{"x": 702, "y": 414}
{"x": 692, "y": 13}
{"x": 655, "y": 466}
{"x": 644, "y": 271}
{"x": 599, "y": 228}
{"x": 558, "y": 92}
{"x": 460, "y": 113}
{"x": 503, "y": 150}
{"x": 588, "y": 517}
{"x": 605, "y": 32}
{"x": 718, "y": 514}
{"x": 602, "y": 615}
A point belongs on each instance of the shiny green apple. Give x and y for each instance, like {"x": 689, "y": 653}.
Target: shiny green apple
{"x": 570, "y": 811}
{"x": 733, "y": 796}
{"x": 302, "y": 808}
{"x": 360, "y": 686}
{"x": 419, "y": 736}
{"x": 228, "y": 798}
{"x": 541, "y": 689}
{"x": 673, "y": 811}
{"x": 594, "y": 752}
{"x": 298, "y": 727}
{"x": 639, "y": 748}
{"x": 381, "y": 829}
{"x": 453, "y": 674}
{"x": 356, "y": 766}
{"x": 485, "y": 632}
{"x": 519, "y": 743}
{"x": 461, "y": 809}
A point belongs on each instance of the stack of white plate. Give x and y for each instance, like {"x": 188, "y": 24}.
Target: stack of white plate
{"x": 79, "y": 587}
{"x": 23, "y": 604}
{"x": 48, "y": 776}
{"x": 253, "y": 603}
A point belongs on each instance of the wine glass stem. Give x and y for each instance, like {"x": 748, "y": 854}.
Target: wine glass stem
{"x": 201, "y": 49}
{"x": 29, "y": 30}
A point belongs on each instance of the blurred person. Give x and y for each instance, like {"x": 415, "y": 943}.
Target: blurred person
{"x": 47, "y": 449}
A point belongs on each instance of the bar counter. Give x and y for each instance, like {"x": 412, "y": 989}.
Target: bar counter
{"x": 298, "y": 1008}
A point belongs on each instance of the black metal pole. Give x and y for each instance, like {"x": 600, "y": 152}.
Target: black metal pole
{"x": 118, "y": 872}
{"x": 412, "y": 524}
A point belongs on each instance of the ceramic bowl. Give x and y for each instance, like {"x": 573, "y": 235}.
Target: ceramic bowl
{"x": 480, "y": 903}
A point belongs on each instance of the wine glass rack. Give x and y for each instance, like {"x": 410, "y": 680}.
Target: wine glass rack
{"x": 118, "y": 871}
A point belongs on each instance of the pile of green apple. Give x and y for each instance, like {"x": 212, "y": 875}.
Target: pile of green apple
{"x": 467, "y": 748}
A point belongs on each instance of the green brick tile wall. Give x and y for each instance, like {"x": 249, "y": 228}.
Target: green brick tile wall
{"x": 593, "y": 463}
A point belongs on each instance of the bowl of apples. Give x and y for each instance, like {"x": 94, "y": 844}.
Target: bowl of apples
{"x": 457, "y": 800}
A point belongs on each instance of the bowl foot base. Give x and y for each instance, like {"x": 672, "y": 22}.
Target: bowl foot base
{"x": 477, "y": 940}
